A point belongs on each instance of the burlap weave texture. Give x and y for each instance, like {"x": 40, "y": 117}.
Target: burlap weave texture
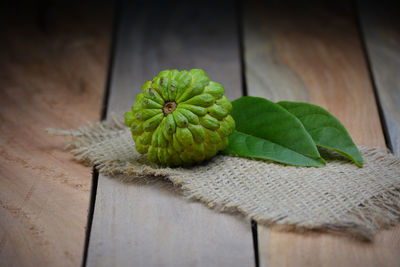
{"x": 340, "y": 197}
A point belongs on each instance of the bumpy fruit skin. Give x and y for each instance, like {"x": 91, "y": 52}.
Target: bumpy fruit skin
{"x": 181, "y": 118}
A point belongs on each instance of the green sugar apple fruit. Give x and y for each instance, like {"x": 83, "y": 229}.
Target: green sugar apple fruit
{"x": 181, "y": 118}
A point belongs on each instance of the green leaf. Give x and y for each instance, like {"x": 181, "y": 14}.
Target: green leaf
{"x": 325, "y": 129}
{"x": 265, "y": 130}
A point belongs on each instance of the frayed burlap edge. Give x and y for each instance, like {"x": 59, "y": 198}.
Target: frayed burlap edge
{"x": 381, "y": 210}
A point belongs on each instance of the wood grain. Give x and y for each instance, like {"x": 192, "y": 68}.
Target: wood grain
{"x": 315, "y": 49}
{"x": 52, "y": 71}
{"x": 381, "y": 31}
{"x": 148, "y": 225}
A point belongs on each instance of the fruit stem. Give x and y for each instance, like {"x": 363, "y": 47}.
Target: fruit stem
{"x": 169, "y": 107}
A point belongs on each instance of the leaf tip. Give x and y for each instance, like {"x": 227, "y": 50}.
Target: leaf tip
{"x": 359, "y": 163}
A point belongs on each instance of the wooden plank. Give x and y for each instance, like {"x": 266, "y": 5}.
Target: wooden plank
{"x": 52, "y": 74}
{"x": 320, "y": 59}
{"x": 316, "y": 49}
{"x": 145, "y": 225}
{"x": 380, "y": 26}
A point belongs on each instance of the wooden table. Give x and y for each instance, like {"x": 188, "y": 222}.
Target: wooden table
{"x": 343, "y": 56}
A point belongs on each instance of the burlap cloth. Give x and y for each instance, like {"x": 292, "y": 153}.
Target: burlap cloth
{"x": 340, "y": 197}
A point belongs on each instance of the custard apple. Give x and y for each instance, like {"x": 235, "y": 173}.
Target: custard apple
{"x": 181, "y": 118}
